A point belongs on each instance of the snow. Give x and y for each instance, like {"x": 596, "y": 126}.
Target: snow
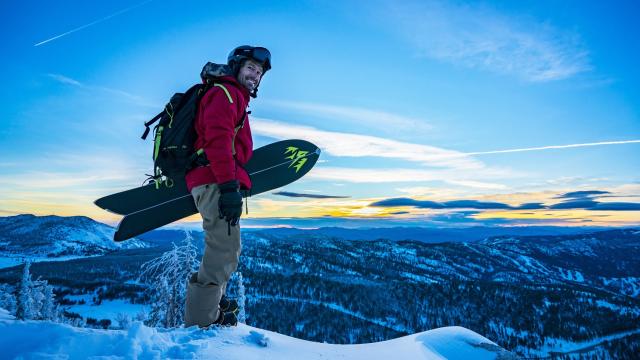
{"x": 10, "y": 261}
{"x": 628, "y": 286}
{"x": 418, "y": 278}
{"x": 5, "y": 315}
{"x": 108, "y": 309}
{"x": 617, "y": 308}
{"x": 571, "y": 275}
{"x": 608, "y": 305}
{"x": 563, "y": 345}
{"x": 6, "y": 262}
{"x": 61, "y": 341}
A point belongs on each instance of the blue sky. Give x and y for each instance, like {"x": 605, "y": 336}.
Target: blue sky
{"x": 409, "y": 100}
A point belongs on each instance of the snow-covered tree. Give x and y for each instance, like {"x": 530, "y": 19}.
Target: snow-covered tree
{"x": 49, "y": 310}
{"x": 73, "y": 319}
{"x": 166, "y": 277}
{"x": 242, "y": 298}
{"x": 25, "y": 307}
{"x": 141, "y": 316}
{"x": 37, "y": 294}
{"x": 35, "y": 299}
{"x": 123, "y": 320}
{"x": 7, "y": 299}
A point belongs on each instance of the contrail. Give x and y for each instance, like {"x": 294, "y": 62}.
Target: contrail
{"x": 93, "y": 23}
{"x": 552, "y": 147}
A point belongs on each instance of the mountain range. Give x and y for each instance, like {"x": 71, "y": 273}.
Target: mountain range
{"x": 55, "y": 236}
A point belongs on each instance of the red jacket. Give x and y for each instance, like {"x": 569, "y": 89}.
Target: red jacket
{"x": 215, "y": 124}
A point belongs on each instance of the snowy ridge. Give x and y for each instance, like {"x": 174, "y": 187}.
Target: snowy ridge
{"x": 55, "y": 236}
{"x": 567, "y": 347}
{"x": 242, "y": 343}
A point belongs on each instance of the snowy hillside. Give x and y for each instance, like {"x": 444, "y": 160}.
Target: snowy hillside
{"x": 242, "y": 343}
{"x": 54, "y": 236}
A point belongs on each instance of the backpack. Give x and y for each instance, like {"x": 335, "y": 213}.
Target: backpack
{"x": 174, "y": 135}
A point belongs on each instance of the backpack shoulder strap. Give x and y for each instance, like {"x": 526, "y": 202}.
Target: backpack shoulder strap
{"x": 235, "y": 132}
{"x": 225, "y": 91}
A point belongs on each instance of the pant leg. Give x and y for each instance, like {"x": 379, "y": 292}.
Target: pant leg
{"x": 220, "y": 260}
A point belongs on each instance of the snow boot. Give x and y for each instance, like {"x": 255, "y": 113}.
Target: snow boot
{"x": 228, "y": 305}
{"x": 226, "y": 319}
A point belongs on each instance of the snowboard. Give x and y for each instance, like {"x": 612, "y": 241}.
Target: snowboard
{"x": 149, "y": 207}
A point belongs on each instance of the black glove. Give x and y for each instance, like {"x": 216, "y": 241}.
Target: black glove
{"x": 230, "y": 203}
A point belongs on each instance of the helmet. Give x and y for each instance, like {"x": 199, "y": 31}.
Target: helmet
{"x": 244, "y": 52}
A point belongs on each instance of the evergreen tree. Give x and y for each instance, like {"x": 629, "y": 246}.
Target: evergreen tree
{"x": 49, "y": 310}
{"x": 166, "y": 278}
{"x": 141, "y": 316}
{"x": 123, "y": 320}
{"x": 73, "y": 319}
{"x": 242, "y": 298}
{"x": 37, "y": 294}
{"x": 7, "y": 299}
{"x": 35, "y": 299}
{"x": 25, "y": 307}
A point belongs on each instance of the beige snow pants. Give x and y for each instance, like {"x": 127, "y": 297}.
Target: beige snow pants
{"x": 220, "y": 260}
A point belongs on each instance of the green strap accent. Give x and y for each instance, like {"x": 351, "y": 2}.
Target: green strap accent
{"x": 225, "y": 91}
{"x": 161, "y": 180}
{"x": 200, "y": 151}
{"x": 156, "y": 149}
{"x": 170, "y": 113}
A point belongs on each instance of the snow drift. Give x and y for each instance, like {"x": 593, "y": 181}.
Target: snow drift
{"x": 40, "y": 339}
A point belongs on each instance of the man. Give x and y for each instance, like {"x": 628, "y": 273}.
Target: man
{"x": 223, "y": 131}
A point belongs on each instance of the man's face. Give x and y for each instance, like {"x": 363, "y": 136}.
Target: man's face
{"x": 250, "y": 74}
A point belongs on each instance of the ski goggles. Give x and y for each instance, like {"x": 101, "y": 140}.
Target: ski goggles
{"x": 259, "y": 54}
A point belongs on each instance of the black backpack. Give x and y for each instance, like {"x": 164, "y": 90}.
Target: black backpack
{"x": 173, "y": 152}
{"x": 173, "y": 148}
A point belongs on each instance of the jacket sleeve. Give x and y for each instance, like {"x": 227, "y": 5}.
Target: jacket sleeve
{"x": 218, "y": 123}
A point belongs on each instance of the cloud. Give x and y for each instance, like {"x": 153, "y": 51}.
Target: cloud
{"x": 582, "y": 194}
{"x": 450, "y": 166}
{"x": 597, "y": 206}
{"x": 474, "y": 204}
{"x": 372, "y": 118}
{"x": 477, "y": 184}
{"x": 531, "y": 206}
{"x": 476, "y": 36}
{"x": 403, "y": 175}
{"x": 44, "y": 180}
{"x": 311, "y": 196}
{"x": 616, "y": 206}
{"x": 586, "y": 200}
{"x": 584, "y": 204}
{"x": 355, "y": 145}
{"x": 426, "y": 204}
{"x": 578, "y": 204}
{"x": 138, "y": 100}
{"x": 102, "y": 169}
{"x": 458, "y": 217}
{"x": 342, "y": 144}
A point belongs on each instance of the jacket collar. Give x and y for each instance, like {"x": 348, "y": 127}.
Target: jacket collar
{"x": 223, "y": 73}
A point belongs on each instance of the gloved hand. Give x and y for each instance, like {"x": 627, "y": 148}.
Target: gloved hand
{"x": 230, "y": 203}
